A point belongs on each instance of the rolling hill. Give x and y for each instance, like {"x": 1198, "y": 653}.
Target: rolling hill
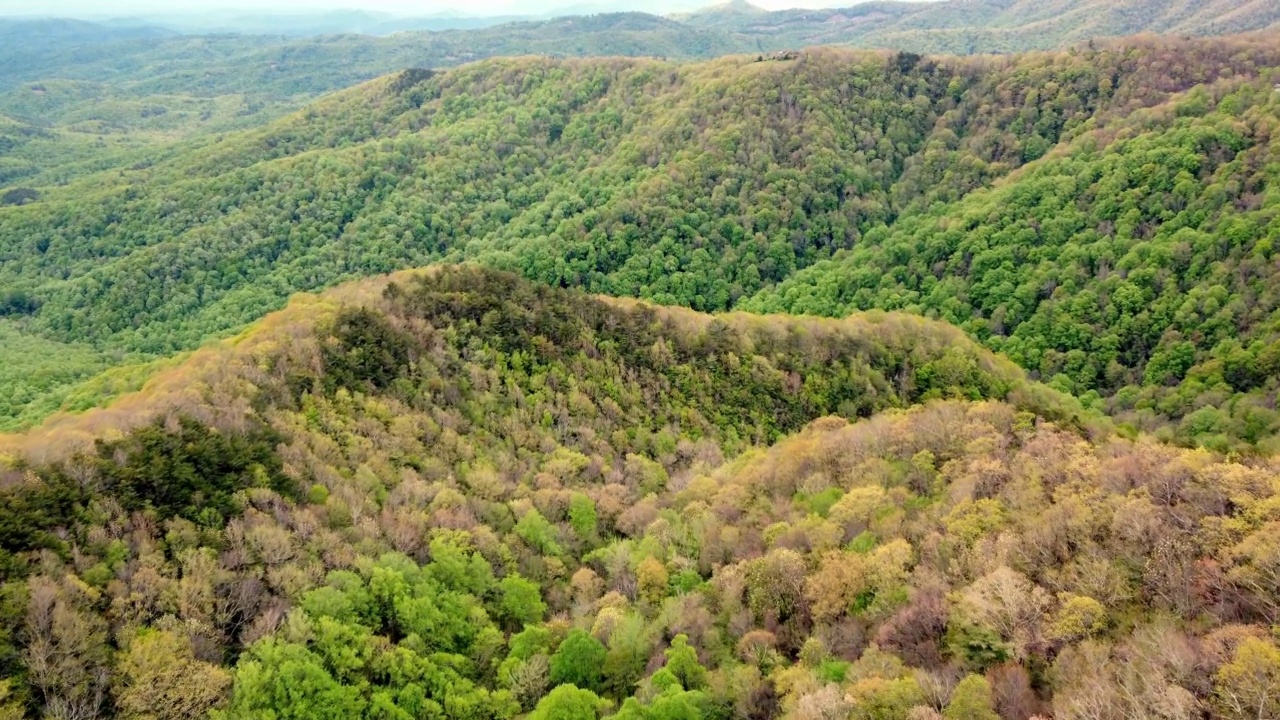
{"x": 112, "y": 94}
{"x": 985, "y": 26}
{"x": 826, "y": 384}
{"x": 709, "y": 184}
{"x": 457, "y": 493}
{"x": 151, "y": 59}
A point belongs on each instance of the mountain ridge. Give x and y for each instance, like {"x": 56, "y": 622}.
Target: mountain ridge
{"x": 543, "y": 504}
{"x": 684, "y": 184}
{"x": 820, "y": 384}
{"x": 951, "y": 26}
{"x": 202, "y": 384}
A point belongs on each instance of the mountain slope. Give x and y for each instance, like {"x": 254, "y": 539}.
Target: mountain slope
{"x": 275, "y": 67}
{"x": 698, "y": 184}
{"x": 1136, "y": 263}
{"x": 154, "y": 60}
{"x": 674, "y": 359}
{"x": 978, "y": 26}
{"x": 134, "y": 78}
{"x": 461, "y": 494}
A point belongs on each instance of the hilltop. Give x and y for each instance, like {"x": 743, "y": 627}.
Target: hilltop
{"x": 459, "y": 493}
{"x": 854, "y": 366}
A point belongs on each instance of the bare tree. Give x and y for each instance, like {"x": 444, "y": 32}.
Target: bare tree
{"x": 66, "y": 653}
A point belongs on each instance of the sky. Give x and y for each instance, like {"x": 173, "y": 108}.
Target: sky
{"x": 120, "y": 8}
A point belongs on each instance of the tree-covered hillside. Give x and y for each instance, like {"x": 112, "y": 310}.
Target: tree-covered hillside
{"x": 156, "y": 60}
{"x": 986, "y": 26}
{"x": 1135, "y": 263}
{"x": 278, "y": 67}
{"x": 113, "y": 96}
{"x": 117, "y": 94}
{"x": 705, "y": 184}
{"x": 56, "y": 131}
{"x": 460, "y": 494}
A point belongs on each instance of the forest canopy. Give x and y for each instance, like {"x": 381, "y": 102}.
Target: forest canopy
{"x": 459, "y": 493}
{"x": 1104, "y": 216}
{"x": 599, "y": 383}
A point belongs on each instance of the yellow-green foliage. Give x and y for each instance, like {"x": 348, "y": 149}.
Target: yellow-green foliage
{"x": 711, "y": 185}
{"x": 380, "y": 496}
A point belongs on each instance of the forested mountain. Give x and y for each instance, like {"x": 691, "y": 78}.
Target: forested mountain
{"x": 112, "y": 95}
{"x": 1104, "y": 216}
{"x": 56, "y": 131}
{"x": 31, "y": 47}
{"x": 107, "y": 97}
{"x": 154, "y": 59}
{"x": 321, "y": 22}
{"x": 460, "y": 494}
{"x": 277, "y": 66}
{"x": 826, "y": 384}
{"x": 976, "y": 26}
{"x": 283, "y": 66}
{"x": 1136, "y": 263}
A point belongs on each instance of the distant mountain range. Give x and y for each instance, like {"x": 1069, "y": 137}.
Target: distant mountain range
{"x": 301, "y": 23}
{"x": 324, "y": 23}
{"x": 947, "y": 25}
{"x": 264, "y": 53}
